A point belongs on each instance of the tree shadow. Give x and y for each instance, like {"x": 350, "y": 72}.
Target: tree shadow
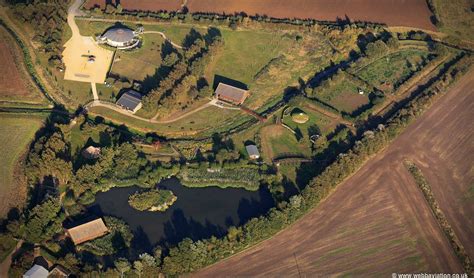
{"x": 229, "y": 81}
{"x": 191, "y": 37}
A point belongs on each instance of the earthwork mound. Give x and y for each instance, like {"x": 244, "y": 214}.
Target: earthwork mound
{"x": 299, "y": 116}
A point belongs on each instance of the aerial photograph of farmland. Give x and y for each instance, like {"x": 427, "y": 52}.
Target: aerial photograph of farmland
{"x": 237, "y": 138}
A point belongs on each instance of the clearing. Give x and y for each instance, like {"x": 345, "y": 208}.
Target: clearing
{"x": 16, "y": 133}
{"x": 378, "y": 222}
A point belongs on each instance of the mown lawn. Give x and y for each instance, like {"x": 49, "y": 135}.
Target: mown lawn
{"x": 139, "y": 63}
{"x": 344, "y": 96}
{"x": 325, "y": 124}
{"x": 16, "y": 132}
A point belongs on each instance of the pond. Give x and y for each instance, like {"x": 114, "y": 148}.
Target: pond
{"x": 198, "y": 212}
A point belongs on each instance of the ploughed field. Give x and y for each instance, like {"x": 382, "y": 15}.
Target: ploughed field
{"x": 378, "y": 222}
{"x": 14, "y": 83}
{"x": 140, "y": 5}
{"x": 413, "y": 13}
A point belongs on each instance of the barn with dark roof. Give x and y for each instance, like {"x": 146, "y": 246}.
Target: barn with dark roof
{"x": 130, "y": 100}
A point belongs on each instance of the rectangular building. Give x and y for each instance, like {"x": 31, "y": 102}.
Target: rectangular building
{"x": 231, "y": 94}
{"x": 87, "y": 231}
{"x": 131, "y": 100}
{"x": 252, "y": 151}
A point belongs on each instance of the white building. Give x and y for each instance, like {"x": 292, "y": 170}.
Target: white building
{"x": 36, "y": 271}
{"x": 120, "y": 37}
{"x": 252, "y": 151}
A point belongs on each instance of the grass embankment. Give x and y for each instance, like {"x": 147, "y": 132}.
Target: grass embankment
{"x": 456, "y": 244}
{"x": 16, "y": 132}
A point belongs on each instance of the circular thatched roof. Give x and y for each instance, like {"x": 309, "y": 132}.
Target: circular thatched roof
{"x": 119, "y": 34}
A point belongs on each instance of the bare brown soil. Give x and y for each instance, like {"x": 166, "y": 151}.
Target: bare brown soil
{"x": 412, "y": 13}
{"x": 139, "y": 5}
{"x": 378, "y": 222}
{"x": 12, "y": 80}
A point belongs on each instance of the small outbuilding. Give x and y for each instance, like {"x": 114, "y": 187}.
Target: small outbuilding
{"x": 231, "y": 94}
{"x": 87, "y": 231}
{"x": 59, "y": 272}
{"x": 36, "y": 271}
{"x": 91, "y": 152}
{"x": 120, "y": 37}
{"x": 131, "y": 100}
{"x": 252, "y": 151}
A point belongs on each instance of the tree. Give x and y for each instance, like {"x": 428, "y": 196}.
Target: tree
{"x": 393, "y": 43}
{"x": 138, "y": 268}
{"x": 44, "y": 221}
{"x": 122, "y": 265}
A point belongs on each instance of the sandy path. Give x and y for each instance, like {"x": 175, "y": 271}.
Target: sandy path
{"x": 379, "y": 198}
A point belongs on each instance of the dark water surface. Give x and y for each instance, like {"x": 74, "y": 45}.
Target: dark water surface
{"x": 198, "y": 212}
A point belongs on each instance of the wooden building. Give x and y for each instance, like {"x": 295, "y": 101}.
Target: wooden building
{"x": 231, "y": 94}
{"x": 87, "y": 231}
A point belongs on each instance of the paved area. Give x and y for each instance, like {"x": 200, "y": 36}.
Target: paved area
{"x": 85, "y": 61}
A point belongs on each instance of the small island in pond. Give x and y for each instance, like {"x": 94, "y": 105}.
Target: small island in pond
{"x": 152, "y": 200}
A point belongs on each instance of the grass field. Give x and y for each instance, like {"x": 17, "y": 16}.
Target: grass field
{"x": 344, "y": 96}
{"x": 140, "y": 63}
{"x": 389, "y": 72}
{"x": 15, "y": 83}
{"x": 279, "y": 141}
{"x": 246, "y": 52}
{"x": 16, "y": 132}
{"x": 209, "y": 119}
{"x": 456, "y": 18}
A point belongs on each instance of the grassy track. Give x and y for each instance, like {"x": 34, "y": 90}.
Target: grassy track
{"x": 15, "y": 134}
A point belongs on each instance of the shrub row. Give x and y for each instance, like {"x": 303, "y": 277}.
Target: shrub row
{"x": 440, "y": 217}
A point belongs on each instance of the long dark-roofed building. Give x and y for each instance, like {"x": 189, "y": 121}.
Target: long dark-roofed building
{"x": 231, "y": 94}
{"x": 131, "y": 100}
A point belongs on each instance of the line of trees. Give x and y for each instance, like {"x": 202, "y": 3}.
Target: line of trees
{"x": 456, "y": 244}
{"x": 185, "y": 82}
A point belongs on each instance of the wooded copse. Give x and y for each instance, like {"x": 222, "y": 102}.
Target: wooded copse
{"x": 48, "y": 19}
{"x": 180, "y": 88}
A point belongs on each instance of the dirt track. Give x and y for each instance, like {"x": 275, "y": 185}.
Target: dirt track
{"x": 413, "y": 13}
{"x": 377, "y": 222}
